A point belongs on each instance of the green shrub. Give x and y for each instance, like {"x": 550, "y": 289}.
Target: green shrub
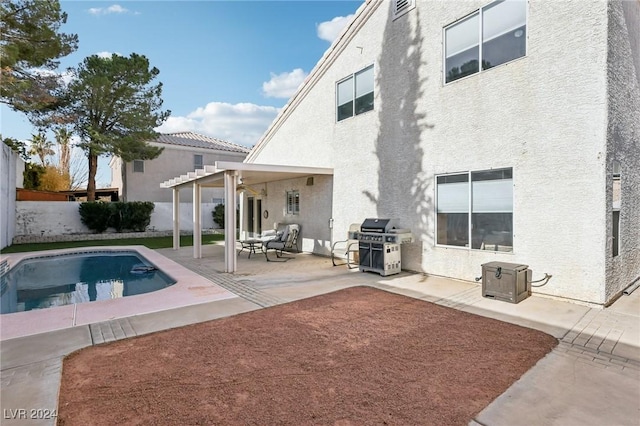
{"x": 134, "y": 215}
{"x": 218, "y": 215}
{"x": 138, "y": 215}
{"x": 95, "y": 215}
{"x": 118, "y": 213}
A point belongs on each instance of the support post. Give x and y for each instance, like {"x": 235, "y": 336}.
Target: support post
{"x": 176, "y": 218}
{"x": 230, "y": 202}
{"x": 241, "y": 227}
{"x": 197, "y": 221}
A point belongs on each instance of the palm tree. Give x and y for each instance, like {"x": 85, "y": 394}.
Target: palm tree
{"x": 63, "y": 137}
{"x": 41, "y": 147}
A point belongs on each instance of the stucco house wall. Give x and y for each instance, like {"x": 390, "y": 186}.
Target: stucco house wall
{"x": 623, "y": 142}
{"x": 11, "y": 178}
{"x": 314, "y": 215}
{"x": 177, "y": 158}
{"x": 544, "y": 115}
{"x": 173, "y": 161}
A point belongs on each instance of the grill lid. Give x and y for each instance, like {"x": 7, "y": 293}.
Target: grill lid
{"x": 377, "y": 225}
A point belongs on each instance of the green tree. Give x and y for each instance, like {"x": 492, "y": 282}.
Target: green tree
{"x": 18, "y": 146}
{"x": 42, "y": 147}
{"x": 116, "y": 106}
{"x": 29, "y": 48}
{"x": 33, "y": 175}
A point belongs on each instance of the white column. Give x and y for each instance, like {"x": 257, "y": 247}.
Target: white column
{"x": 197, "y": 221}
{"x": 176, "y": 218}
{"x": 241, "y": 230}
{"x": 230, "y": 201}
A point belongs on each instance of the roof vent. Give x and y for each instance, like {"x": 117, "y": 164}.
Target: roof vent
{"x": 400, "y": 7}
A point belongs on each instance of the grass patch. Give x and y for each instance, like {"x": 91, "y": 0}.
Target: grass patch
{"x": 152, "y": 243}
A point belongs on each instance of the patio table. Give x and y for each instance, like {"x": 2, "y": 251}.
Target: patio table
{"x": 250, "y": 245}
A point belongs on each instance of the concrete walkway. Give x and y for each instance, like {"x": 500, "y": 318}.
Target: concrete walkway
{"x": 591, "y": 378}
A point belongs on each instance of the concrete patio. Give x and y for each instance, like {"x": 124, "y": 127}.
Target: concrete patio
{"x": 591, "y": 378}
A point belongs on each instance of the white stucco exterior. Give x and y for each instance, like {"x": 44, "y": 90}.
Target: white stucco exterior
{"x": 623, "y": 142}
{"x": 557, "y": 116}
{"x": 11, "y": 171}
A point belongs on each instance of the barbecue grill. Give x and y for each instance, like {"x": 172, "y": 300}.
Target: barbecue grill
{"x": 379, "y": 243}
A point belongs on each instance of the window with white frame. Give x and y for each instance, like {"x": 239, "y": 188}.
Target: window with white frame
{"x": 475, "y": 209}
{"x": 491, "y": 36}
{"x": 138, "y": 166}
{"x": 355, "y": 94}
{"x": 198, "y": 161}
{"x": 293, "y": 202}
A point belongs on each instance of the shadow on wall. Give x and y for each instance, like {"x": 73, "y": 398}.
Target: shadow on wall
{"x": 404, "y": 189}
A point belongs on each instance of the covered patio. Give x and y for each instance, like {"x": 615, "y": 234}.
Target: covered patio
{"x": 233, "y": 177}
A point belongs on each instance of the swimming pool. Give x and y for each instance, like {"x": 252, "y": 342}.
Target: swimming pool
{"x": 190, "y": 289}
{"x": 70, "y": 278}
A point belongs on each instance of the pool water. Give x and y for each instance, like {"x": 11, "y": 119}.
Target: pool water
{"x": 48, "y": 281}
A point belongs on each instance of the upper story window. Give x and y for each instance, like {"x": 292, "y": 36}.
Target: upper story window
{"x": 198, "y": 161}
{"x": 491, "y": 36}
{"x": 355, "y": 94}
{"x": 293, "y": 202}
{"x": 138, "y": 166}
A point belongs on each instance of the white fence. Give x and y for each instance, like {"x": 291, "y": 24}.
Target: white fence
{"x": 45, "y": 220}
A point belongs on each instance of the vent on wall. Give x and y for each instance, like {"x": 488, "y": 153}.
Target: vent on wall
{"x": 400, "y": 7}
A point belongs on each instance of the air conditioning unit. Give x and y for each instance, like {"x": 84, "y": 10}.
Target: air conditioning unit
{"x": 509, "y": 282}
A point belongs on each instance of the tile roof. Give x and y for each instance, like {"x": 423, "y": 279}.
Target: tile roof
{"x": 199, "y": 141}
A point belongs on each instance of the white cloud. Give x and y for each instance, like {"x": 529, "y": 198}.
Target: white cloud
{"x": 115, "y": 8}
{"x": 66, "y": 76}
{"x": 330, "y": 30}
{"x": 105, "y": 55}
{"x": 242, "y": 123}
{"x": 283, "y": 85}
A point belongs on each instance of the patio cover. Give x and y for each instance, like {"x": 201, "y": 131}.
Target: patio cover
{"x": 227, "y": 175}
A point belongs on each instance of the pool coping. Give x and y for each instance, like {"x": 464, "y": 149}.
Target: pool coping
{"x": 189, "y": 289}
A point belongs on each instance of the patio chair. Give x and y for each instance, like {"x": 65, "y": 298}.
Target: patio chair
{"x": 348, "y": 249}
{"x": 284, "y": 238}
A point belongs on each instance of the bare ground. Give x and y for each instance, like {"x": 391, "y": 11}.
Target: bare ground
{"x": 355, "y": 356}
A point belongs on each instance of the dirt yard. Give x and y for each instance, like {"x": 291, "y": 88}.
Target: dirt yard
{"x": 355, "y": 356}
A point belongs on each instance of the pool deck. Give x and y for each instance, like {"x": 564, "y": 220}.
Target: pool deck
{"x": 189, "y": 289}
{"x": 591, "y": 378}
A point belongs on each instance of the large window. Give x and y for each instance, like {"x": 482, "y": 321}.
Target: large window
{"x": 491, "y": 36}
{"x": 476, "y": 210}
{"x": 355, "y": 94}
{"x": 293, "y": 202}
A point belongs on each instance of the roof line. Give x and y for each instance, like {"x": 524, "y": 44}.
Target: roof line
{"x": 216, "y": 171}
{"x": 362, "y": 15}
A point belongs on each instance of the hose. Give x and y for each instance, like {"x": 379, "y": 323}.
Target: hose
{"x": 546, "y": 279}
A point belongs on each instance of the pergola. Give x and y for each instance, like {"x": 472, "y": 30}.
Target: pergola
{"x": 227, "y": 175}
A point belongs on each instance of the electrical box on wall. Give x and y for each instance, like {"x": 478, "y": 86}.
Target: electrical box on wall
{"x": 509, "y": 282}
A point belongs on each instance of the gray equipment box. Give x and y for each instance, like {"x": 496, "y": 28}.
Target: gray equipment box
{"x": 509, "y": 282}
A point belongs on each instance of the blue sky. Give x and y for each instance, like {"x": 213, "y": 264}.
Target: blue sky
{"x": 227, "y": 67}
